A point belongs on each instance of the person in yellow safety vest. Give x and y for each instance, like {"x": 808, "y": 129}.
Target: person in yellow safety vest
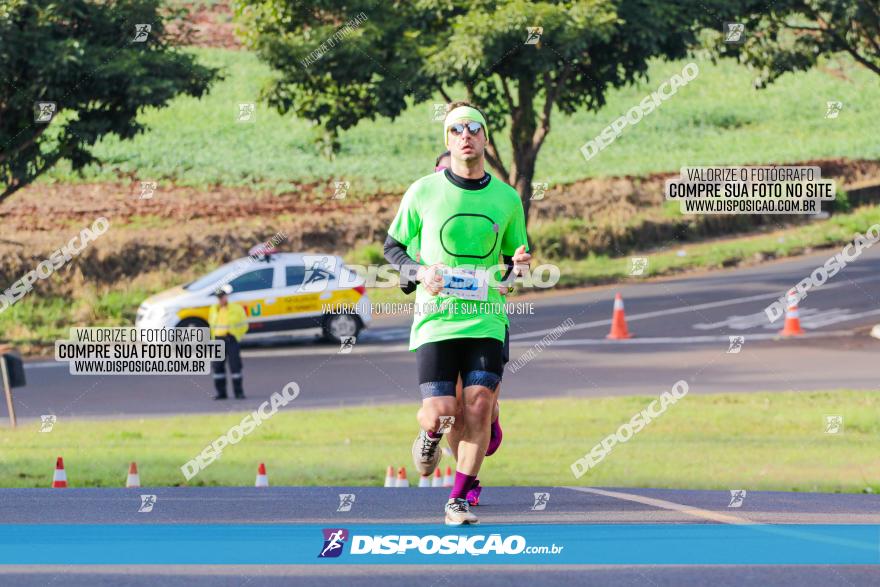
{"x": 228, "y": 322}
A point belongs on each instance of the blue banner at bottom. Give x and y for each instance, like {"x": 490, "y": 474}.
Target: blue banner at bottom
{"x": 556, "y": 544}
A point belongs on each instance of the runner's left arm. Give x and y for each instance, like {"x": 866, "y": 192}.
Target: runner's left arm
{"x": 515, "y": 232}
{"x": 514, "y": 237}
{"x": 508, "y": 262}
{"x": 505, "y": 288}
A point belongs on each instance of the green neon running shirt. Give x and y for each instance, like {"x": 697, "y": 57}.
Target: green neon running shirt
{"x": 459, "y": 228}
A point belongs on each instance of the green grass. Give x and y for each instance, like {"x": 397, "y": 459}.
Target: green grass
{"x": 766, "y": 441}
{"x": 836, "y": 231}
{"x": 716, "y": 119}
{"x": 33, "y": 323}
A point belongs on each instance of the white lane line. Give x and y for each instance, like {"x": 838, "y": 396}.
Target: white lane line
{"x": 259, "y": 353}
{"x": 534, "y": 333}
{"x": 687, "y": 339}
{"x": 370, "y": 349}
{"x": 646, "y": 315}
{"x": 666, "y": 505}
{"x": 385, "y": 348}
{"x": 45, "y": 364}
{"x": 679, "y": 310}
{"x": 811, "y": 318}
{"x": 712, "y": 516}
{"x": 305, "y": 351}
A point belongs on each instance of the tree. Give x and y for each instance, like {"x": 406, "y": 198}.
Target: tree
{"x": 794, "y": 34}
{"x": 89, "y": 60}
{"x": 342, "y": 61}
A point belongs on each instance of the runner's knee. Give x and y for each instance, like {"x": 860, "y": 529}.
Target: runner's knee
{"x": 480, "y": 403}
{"x": 431, "y": 410}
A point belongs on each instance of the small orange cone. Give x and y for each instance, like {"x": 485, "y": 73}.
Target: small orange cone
{"x": 60, "y": 477}
{"x": 134, "y": 480}
{"x": 402, "y": 481}
{"x": 262, "y": 478}
{"x": 448, "y": 479}
{"x": 390, "y": 481}
{"x": 792, "y": 325}
{"x": 618, "y": 321}
{"x": 438, "y": 478}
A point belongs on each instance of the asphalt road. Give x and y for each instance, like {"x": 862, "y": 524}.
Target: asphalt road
{"x": 682, "y": 330}
{"x": 442, "y": 576}
{"x": 503, "y": 509}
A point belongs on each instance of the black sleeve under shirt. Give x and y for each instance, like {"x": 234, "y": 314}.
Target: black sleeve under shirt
{"x": 395, "y": 253}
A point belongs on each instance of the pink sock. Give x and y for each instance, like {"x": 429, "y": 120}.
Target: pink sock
{"x": 462, "y": 485}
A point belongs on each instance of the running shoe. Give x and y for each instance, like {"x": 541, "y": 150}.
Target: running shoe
{"x": 458, "y": 513}
{"x": 426, "y": 453}
{"x": 494, "y": 437}
{"x": 473, "y": 496}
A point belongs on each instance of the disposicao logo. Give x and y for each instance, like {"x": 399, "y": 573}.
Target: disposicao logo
{"x": 334, "y": 540}
{"x": 449, "y": 544}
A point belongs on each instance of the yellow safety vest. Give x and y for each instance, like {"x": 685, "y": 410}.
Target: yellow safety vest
{"x": 227, "y": 320}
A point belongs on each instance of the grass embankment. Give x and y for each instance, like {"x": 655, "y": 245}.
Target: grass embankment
{"x": 755, "y": 441}
{"x": 719, "y": 118}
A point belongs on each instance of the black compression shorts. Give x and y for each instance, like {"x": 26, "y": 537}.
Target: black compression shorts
{"x": 479, "y": 361}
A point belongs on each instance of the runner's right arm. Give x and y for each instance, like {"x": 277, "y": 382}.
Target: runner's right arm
{"x": 407, "y": 224}
{"x": 395, "y": 253}
{"x": 405, "y": 227}
{"x": 411, "y": 272}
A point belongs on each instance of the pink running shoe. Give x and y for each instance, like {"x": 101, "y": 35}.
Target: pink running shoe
{"x": 473, "y": 496}
{"x": 494, "y": 438}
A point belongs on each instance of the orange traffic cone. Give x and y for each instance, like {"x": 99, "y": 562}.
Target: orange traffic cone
{"x": 134, "y": 480}
{"x": 618, "y": 321}
{"x": 262, "y": 478}
{"x": 390, "y": 481}
{"x": 60, "y": 477}
{"x": 448, "y": 479}
{"x": 792, "y": 325}
{"x": 402, "y": 481}
{"x": 438, "y": 478}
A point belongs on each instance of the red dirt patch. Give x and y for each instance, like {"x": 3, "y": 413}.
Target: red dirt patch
{"x": 46, "y": 207}
{"x": 179, "y": 225}
{"x": 211, "y": 26}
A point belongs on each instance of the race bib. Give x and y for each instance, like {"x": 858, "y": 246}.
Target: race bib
{"x": 467, "y": 284}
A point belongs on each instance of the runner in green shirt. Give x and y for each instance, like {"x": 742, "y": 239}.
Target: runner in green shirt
{"x": 466, "y": 221}
{"x": 496, "y": 434}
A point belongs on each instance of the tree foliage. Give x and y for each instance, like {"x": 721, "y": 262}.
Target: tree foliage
{"x": 80, "y": 55}
{"x": 794, "y": 34}
{"x": 407, "y": 52}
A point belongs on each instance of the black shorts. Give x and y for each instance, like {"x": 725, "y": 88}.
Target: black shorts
{"x": 479, "y": 361}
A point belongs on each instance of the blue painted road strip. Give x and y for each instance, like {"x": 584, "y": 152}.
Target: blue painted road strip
{"x": 558, "y": 544}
